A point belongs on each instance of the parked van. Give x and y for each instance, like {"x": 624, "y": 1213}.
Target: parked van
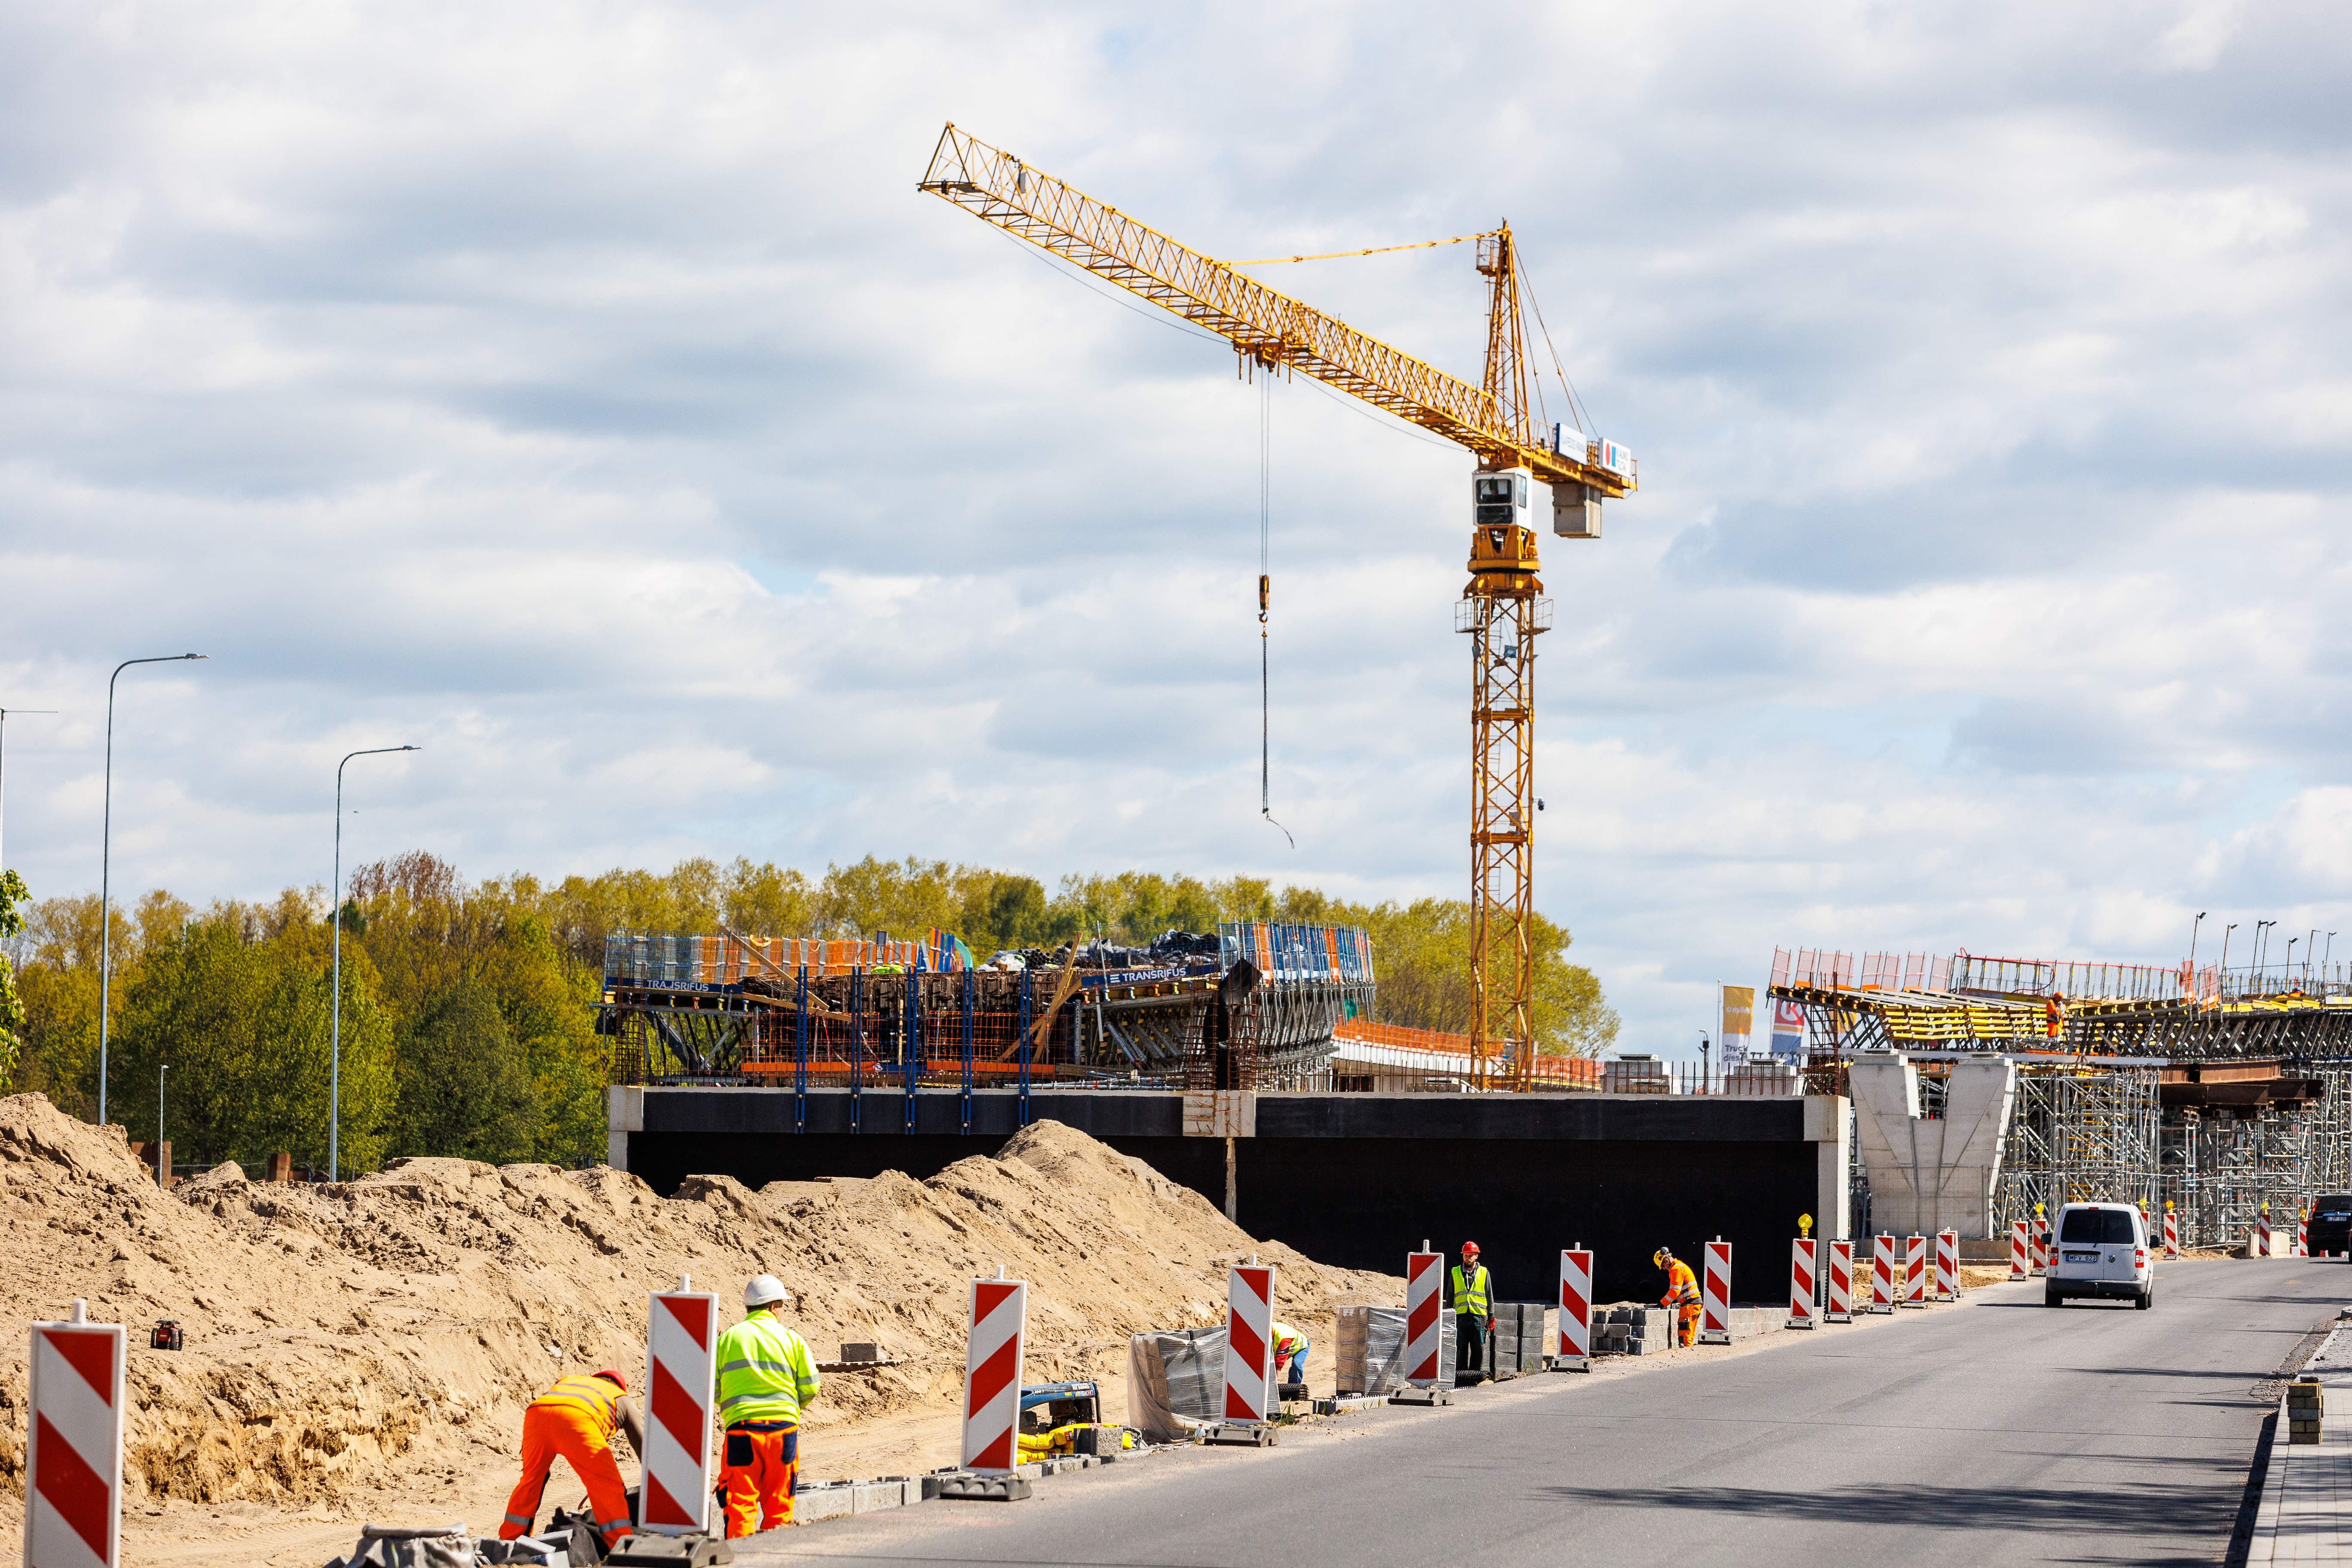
{"x": 2331, "y": 1224}
{"x": 2100, "y": 1251}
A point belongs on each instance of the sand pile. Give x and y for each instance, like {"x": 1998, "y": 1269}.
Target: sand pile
{"x": 376, "y": 1340}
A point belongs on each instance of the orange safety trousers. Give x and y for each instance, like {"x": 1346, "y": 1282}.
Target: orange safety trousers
{"x": 1690, "y": 1325}
{"x": 759, "y": 1474}
{"x": 553, "y": 1431}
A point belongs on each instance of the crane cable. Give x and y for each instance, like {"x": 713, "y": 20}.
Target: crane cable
{"x": 1376, "y": 250}
{"x": 1265, "y": 585}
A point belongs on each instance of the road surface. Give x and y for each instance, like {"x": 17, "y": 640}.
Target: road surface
{"x": 1996, "y": 1431}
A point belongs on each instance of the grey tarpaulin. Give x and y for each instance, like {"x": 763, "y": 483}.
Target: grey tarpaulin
{"x": 381, "y": 1546}
{"x": 1370, "y": 1352}
{"x": 1174, "y": 1377}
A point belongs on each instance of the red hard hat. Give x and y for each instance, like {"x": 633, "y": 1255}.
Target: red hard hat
{"x": 1469, "y": 1246}
{"x": 616, "y": 1380}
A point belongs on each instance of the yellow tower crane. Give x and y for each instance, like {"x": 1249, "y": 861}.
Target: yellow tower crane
{"x": 1503, "y": 608}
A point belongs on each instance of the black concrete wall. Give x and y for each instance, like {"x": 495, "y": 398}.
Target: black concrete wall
{"x": 1337, "y": 1177}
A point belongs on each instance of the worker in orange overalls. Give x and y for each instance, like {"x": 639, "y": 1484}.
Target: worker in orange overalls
{"x": 2053, "y": 1015}
{"x": 1682, "y": 1291}
{"x": 574, "y": 1420}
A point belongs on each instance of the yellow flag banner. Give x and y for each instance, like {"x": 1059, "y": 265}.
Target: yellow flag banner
{"x": 1738, "y": 1021}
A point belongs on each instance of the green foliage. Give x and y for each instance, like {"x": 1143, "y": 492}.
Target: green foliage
{"x": 468, "y": 1013}
{"x": 465, "y": 1083}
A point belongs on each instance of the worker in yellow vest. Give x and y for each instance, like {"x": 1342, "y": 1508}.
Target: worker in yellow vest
{"x": 575, "y": 1421}
{"x": 766, "y": 1378}
{"x": 1474, "y": 1315}
{"x": 1289, "y": 1351}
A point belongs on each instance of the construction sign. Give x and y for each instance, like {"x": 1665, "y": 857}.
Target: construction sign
{"x": 1739, "y": 1022}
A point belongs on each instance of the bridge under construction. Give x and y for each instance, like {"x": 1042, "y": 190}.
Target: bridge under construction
{"x": 2223, "y": 1093}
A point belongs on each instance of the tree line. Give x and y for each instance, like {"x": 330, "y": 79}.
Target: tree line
{"x": 469, "y": 1009}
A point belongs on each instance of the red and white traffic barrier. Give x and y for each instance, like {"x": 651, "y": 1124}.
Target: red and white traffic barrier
{"x": 1714, "y": 1296}
{"x": 1424, "y": 1273}
{"x": 1841, "y": 1308}
{"x": 1803, "y": 1269}
{"x": 1915, "y": 1271}
{"x": 73, "y": 1461}
{"x": 999, "y": 1333}
{"x": 2303, "y": 1233}
{"x": 2041, "y": 1244}
{"x": 1575, "y": 1311}
{"x": 681, "y": 1388}
{"x": 1882, "y": 1273}
{"x": 2016, "y": 1251}
{"x": 1948, "y": 1266}
{"x": 1249, "y": 1340}
{"x": 2172, "y": 1231}
{"x": 2263, "y": 1235}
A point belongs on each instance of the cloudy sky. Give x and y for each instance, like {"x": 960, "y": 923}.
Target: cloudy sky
{"x": 583, "y": 393}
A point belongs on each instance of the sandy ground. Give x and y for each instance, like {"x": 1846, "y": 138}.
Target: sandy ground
{"x": 363, "y": 1350}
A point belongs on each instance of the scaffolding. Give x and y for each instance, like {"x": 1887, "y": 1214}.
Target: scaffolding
{"x": 2221, "y": 1168}
{"x": 2080, "y": 1132}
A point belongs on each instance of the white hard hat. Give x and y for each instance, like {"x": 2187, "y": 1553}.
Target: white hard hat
{"x": 764, "y": 1291}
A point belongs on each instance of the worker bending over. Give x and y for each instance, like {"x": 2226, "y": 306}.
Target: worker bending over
{"x": 1474, "y": 1315}
{"x": 574, "y": 1419}
{"x": 1682, "y": 1293}
{"x": 1290, "y": 1349}
{"x": 766, "y": 1377}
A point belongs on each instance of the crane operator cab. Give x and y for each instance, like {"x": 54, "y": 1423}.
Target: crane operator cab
{"x": 1502, "y": 561}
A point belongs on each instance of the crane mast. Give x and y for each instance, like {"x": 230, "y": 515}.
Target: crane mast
{"x": 1502, "y": 609}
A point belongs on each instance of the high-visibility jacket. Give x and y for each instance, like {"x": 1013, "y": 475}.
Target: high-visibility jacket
{"x": 1473, "y": 1295}
{"x": 1681, "y": 1286}
{"x": 589, "y": 1395}
{"x": 1287, "y": 1339}
{"x": 765, "y": 1371}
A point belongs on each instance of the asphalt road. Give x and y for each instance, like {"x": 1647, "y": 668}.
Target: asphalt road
{"x": 1995, "y": 1431}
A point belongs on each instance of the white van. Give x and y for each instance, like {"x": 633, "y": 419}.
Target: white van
{"x": 2100, "y": 1251}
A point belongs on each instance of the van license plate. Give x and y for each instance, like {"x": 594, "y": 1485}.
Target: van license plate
{"x": 2082, "y": 1257}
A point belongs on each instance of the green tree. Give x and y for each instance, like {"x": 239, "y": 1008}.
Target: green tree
{"x": 13, "y": 893}
{"x": 466, "y": 1087}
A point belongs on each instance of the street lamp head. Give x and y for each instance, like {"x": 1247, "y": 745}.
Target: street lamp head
{"x": 195, "y": 656}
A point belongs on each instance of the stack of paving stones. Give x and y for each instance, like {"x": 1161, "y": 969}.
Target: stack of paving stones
{"x": 2303, "y": 1410}
{"x": 1519, "y": 1340}
{"x": 1640, "y": 1330}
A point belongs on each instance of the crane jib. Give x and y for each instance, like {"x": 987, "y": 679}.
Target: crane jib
{"x": 1261, "y": 323}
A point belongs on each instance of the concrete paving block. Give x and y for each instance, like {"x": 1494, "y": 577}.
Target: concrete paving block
{"x": 827, "y": 1500}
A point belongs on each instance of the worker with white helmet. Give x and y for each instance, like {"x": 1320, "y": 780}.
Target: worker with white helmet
{"x": 766, "y": 1378}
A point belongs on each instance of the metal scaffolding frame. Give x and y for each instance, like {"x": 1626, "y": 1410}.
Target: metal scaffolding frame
{"x": 2083, "y": 1131}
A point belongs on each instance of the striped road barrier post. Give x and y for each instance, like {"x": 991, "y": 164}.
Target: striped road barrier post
{"x": 1714, "y": 1295}
{"x": 2262, "y": 1233}
{"x": 1249, "y": 1340}
{"x": 1948, "y": 1266}
{"x": 1425, "y": 1272}
{"x": 998, "y": 1332}
{"x": 681, "y": 1385}
{"x": 1882, "y": 1273}
{"x": 2016, "y": 1251}
{"x": 2041, "y": 1241}
{"x": 1803, "y": 1269}
{"x": 2303, "y": 1233}
{"x": 2172, "y": 1231}
{"x": 1575, "y": 1311}
{"x": 73, "y": 1459}
{"x": 1915, "y": 1271}
{"x": 1841, "y": 1308}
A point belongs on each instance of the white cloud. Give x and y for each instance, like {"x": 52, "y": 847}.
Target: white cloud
{"x": 585, "y": 394}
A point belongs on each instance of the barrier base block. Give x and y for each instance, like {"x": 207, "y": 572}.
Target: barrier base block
{"x": 1568, "y": 1363}
{"x": 1837, "y": 1317}
{"x": 1338, "y": 1403}
{"x": 1239, "y": 1434}
{"x": 1883, "y": 1312}
{"x": 1715, "y": 1336}
{"x": 1798, "y": 1323}
{"x": 983, "y": 1488}
{"x": 671, "y": 1551}
{"x": 1422, "y": 1396}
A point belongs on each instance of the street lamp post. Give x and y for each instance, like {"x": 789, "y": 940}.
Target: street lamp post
{"x": 2192, "y": 950}
{"x": 335, "y": 1046}
{"x": 162, "y": 1166}
{"x": 105, "y": 868}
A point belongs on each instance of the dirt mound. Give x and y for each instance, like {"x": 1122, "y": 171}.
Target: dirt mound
{"x": 371, "y": 1343}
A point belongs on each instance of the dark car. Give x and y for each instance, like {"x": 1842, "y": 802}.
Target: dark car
{"x": 2331, "y": 1225}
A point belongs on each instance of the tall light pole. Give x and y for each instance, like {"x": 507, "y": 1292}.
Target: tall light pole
{"x": 3, "y": 763}
{"x": 162, "y": 1166}
{"x": 2308, "y": 944}
{"x": 2224, "y": 965}
{"x": 2192, "y": 948}
{"x": 105, "y": 867}
{"x": 335, "y": 1046}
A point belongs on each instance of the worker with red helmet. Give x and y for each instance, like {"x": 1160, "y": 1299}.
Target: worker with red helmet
{"x": 1474, "y": 1315}
{"x": 574, "y": 1420}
